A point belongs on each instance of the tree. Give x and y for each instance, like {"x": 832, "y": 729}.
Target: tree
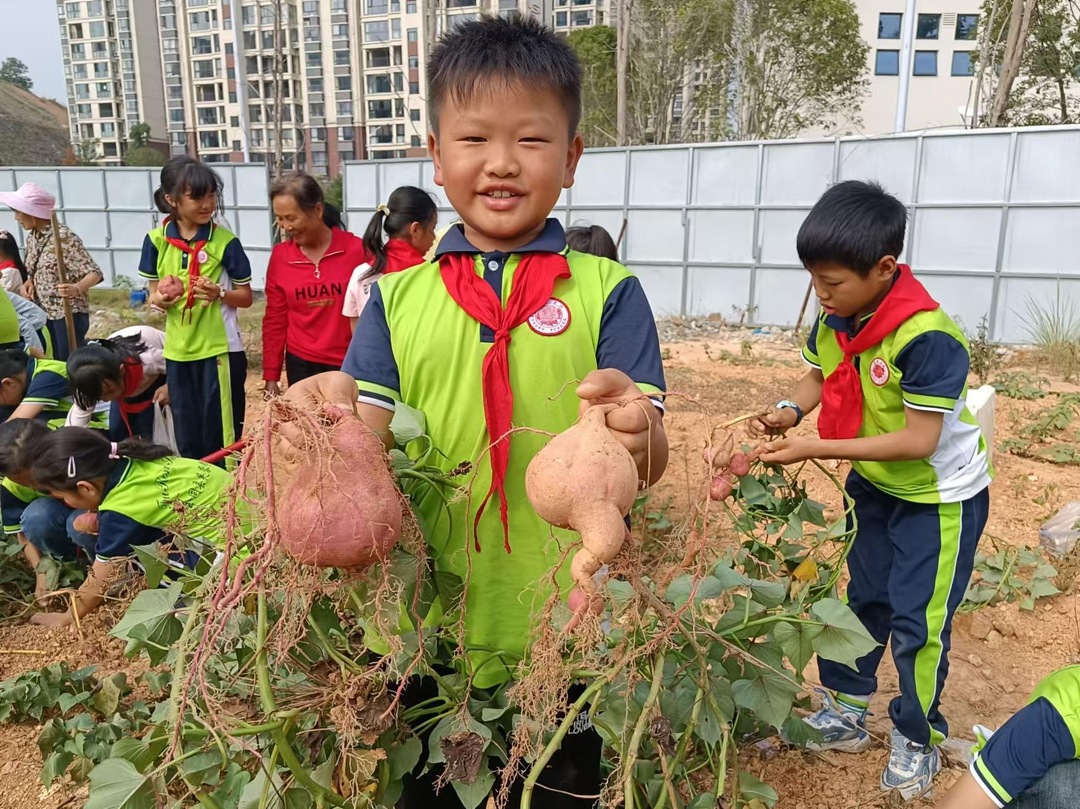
{"x": 798, "y": 64}
{"x": 86, "y": 152}
{"x": 722, "y": 69}
{"x": 15, "y": 71}
{"x": 1027, "y": 64}
{"x": 676, "y": 56}
{"x": 334, "y": 193}
{"x": 139, "y": 135}
{"x": 140, "y": 152}
{"x": 145, "y": 156}
{"x": 595, "y": 48}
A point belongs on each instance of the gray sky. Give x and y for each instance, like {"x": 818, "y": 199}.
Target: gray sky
{"x": 32, "y": 33}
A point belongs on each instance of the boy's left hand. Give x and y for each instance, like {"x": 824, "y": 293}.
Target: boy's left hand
{"x": 793, "y": 449}
{"x": 632, "y": 425}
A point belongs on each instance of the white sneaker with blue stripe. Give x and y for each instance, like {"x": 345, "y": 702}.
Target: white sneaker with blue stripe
{"x": 911, "y": 768}
{"x": 842, "y": 727}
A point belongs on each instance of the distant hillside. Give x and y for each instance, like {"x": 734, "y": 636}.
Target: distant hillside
{"x": 33, "y": 130}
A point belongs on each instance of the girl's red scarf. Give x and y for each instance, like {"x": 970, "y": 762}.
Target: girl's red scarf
{"x": 401, "y": 255}
{"x": 841, "y": 395}
{"x": 193, "y": 251}
{"x": 131, "y": 374}
{"x": 7, "y": 264}
{"x": 534, "y": 280}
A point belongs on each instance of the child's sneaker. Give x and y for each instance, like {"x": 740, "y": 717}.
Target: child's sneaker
{"x": 842, "y": 728}
{"x": 911, "y": 768}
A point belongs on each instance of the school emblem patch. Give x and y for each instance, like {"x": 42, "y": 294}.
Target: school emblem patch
{"x": 203, "y": 257}
{"x": 550, "y": 319}
{"x": 879, "y": 372}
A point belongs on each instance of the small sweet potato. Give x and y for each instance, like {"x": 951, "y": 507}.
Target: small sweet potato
{"x": 86, "y": 523}
{"x": 343, "y": 509}
{"x": 585, "y": 480}
{"x": 720, "y": 487}
{"x": 740, "y": 464}
{"x": 170, "y": 287}
{"x": 718, "y": 456}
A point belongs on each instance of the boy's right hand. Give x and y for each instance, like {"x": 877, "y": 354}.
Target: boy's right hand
{"x": 775, "y": 422}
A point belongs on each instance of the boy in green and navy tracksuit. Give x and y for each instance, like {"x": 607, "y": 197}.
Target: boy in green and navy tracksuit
{"x": 1031, "y": 762}
{"x": 486, "y": 336}
{"x": 889, "y": 369}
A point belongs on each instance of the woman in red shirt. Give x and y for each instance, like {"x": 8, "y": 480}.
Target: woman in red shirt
{"x": 303, "y": 328}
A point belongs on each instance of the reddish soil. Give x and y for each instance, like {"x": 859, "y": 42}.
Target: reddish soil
{"x": 987, "y": 683}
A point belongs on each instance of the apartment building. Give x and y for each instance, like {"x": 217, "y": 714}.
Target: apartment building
{"x": 941, "y": 83}
{"x": 395, "y": 38}
{"x": 113, "y": 67}
{"x": 224, "y": 80}
{"x": 569, "y": 15}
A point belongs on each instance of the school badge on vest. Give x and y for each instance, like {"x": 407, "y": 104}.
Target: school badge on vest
{"x": 879, "y": 372}
{"x": 203, "y": 257}
{"x": 550, "y": 319}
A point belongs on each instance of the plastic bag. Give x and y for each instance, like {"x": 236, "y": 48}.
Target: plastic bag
{"x": 1059, "y": 534}
{"x": 164, "y": 430}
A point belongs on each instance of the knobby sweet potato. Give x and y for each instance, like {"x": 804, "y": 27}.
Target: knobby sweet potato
{"x": 585, "y": 480}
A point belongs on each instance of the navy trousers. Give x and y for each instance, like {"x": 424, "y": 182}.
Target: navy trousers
{"x": 207, "y": 398}
{"x": 910, "y": 566}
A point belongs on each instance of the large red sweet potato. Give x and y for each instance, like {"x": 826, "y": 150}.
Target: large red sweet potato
{"x": 341, "y": 509}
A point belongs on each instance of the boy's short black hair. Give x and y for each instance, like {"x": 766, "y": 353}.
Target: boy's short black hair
{"x": 475, "y": 57}
{"x": 854, "y": 224}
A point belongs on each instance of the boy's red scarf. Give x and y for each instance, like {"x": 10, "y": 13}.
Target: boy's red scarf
{"x": 534, "y": 280}
{"x": 841, "y": 395}
{"x": 192, "y": 251}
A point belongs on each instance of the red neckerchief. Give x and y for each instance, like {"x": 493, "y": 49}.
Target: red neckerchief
{"x": 401, "y": 255}
{"x": 193, "y": 251}
{"x": 7, "y": 264}
{"x": 132, "y": 373}
{"x": 534, "y": 280}
{"x": 841, "y": 395}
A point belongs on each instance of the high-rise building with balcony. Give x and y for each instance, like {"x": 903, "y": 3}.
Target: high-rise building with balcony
{"x": 570, "y": 15}
{"x": 112, "y": 62}
{"x": 227, "y": 80}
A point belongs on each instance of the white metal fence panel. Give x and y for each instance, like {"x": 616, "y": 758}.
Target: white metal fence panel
{"x": 112, "y": 209}
{"x": 711, "y": 228}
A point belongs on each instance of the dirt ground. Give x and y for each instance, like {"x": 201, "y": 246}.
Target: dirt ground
{"x": 987, "y": 681}
{"x": 720, "y": 377}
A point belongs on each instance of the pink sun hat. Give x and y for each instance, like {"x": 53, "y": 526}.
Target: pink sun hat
{"x": 31, "y": 199}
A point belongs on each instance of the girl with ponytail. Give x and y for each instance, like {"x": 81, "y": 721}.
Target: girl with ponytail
{"x": 199, "y": 276}
{"x": 142, "y": 494}
{"x": 13, "y": 274}
{"x": 408, "y": 220}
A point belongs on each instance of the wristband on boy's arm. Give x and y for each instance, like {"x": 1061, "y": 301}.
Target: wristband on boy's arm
{"x": 787, "y": 403}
